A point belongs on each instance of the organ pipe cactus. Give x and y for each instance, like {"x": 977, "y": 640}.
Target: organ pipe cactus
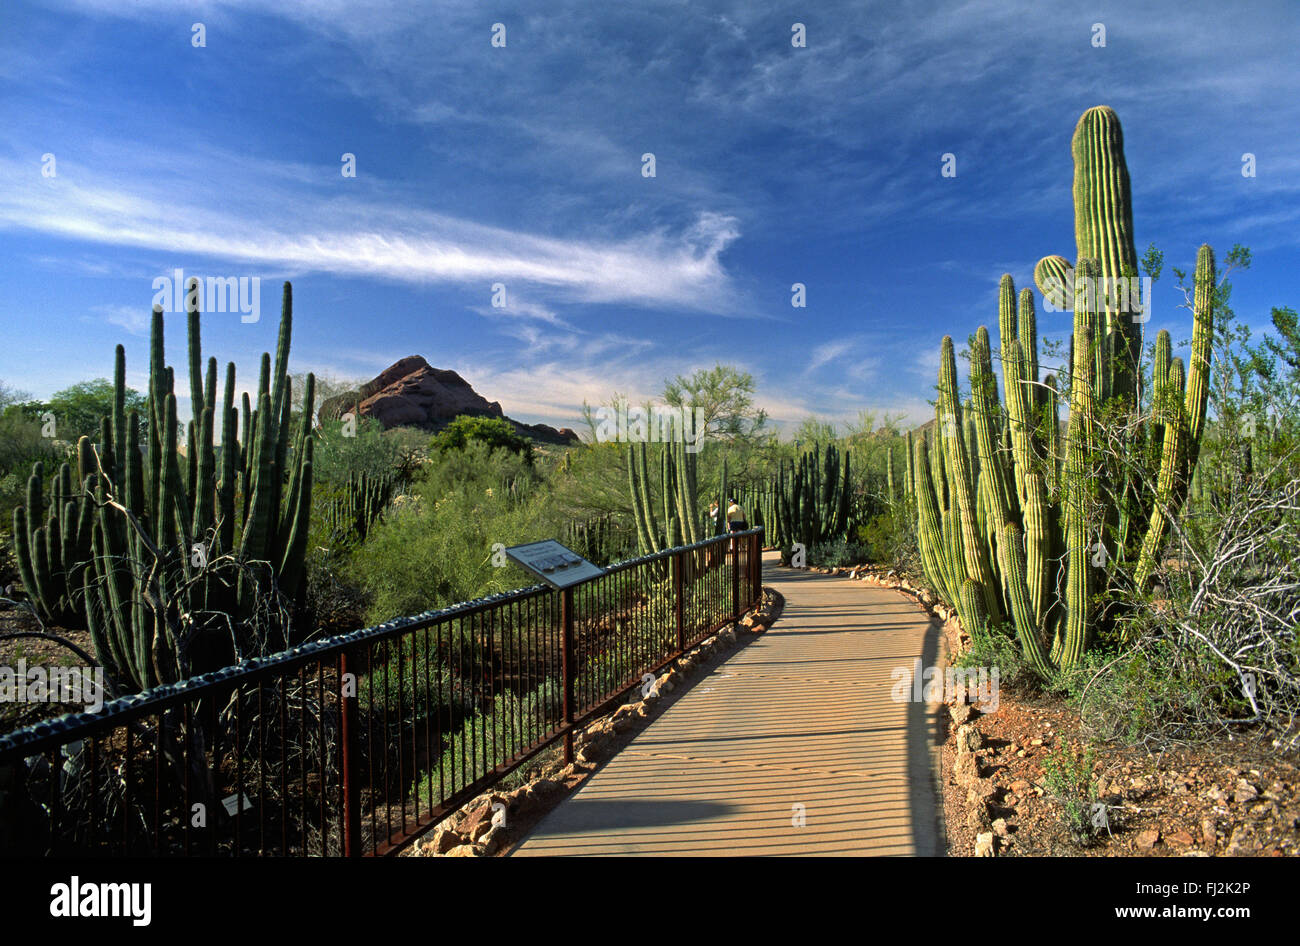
{"x": 602, "y": 540}
{"x": 160, "y": 599}
{"x": 682, "y": 521}
{"x": 53, "y": 544}
{"x": 813, "y": 499}
{"x": 360, "y": 504}
{"x": 1015, "y": 526}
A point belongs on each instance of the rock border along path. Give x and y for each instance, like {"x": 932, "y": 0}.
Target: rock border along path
{"x": 792, "y": 745}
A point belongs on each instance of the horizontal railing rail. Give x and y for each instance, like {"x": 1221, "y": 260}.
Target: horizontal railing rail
{"x": 359, "y": 743}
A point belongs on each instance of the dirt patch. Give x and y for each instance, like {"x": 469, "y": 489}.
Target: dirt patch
{"x": 1213, "y": 799}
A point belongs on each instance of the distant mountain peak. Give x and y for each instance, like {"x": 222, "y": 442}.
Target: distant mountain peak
{"x": 412, "y": 393}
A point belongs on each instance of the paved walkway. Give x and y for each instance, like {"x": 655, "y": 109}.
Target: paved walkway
{"x": 802, "y": 716}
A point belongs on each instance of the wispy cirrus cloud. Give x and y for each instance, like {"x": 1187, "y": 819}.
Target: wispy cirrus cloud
{"x": 387, "y": 240}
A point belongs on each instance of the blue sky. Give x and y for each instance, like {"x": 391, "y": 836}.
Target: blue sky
{"x": 522, "y": 165}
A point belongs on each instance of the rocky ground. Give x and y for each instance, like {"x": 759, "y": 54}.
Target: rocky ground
{"x": 1212, "y": 799}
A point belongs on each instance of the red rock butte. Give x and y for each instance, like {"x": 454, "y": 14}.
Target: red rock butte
{"x": 412, "y": 393}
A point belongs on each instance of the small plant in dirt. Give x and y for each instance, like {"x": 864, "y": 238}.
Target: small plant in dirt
{"x": 1000, "y": 651}
{"x": 837, "y": 553}
{"x": 1069, "y": 783}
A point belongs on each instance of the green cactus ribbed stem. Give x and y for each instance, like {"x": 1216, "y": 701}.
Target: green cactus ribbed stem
{"x": 1198, "y": 365}
{"x": 225, "y": 510}
{"x": 929, "y": 529}
{"x": 889, "y": 475}
{"x": 972, "y": 609}
{"x": 1008, "y": 322}
{"x": 1022, "y": 608}
{"x": 909, "y": 479}
{"x": 642, "y": 505}
{"x": 1051, "y": 429}
{"x": 1027, "y": 335}
{"x": 23, "y": 549}
{"x": 204, "y": 489}
{"x": 298, "y": 521}
{"x": 669, "y": 489}
{"x": 118, "y": 419}
{"x": 194, "y": 349}
{"x": 156, "y": 405}
{"x": 1079, "y": 487}
{"x": 974, "y": 551}
{"x": 257, "y": 535}
{"x": 1054, "y": 277}
{"x": 938, "y": 475}
{"x": 1160, "y": 377}
{"x": 1030, "y": 484}
{"x": 1173, "y": 462}
{"x": 1103, "y": 227}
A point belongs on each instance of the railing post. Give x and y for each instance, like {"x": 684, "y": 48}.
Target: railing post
{"x": 756, "y": 566}
{"x": 679, "y": 595}
{"x": 567, "y": 668}
{"x": 351, "y": 788}
{"x": 735, "y": 579}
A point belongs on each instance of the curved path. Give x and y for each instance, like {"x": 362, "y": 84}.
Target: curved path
{"x": 799, "y": 725}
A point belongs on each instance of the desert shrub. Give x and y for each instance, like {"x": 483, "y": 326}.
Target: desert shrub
{"x": 370, "y": 449}
{"x": 590, "y": 481}
{"x": 1068, "y": 781}
{"x": 21, "y": 448}
{"x": 890, "y": 541}
{"x": 1216, "y": 646}
{"x": 1001, "y": 650}
{"x": 437, "y": 548}
{"x": 335, "y": 602}
{"x": 836, "y": 553}
{"x": 496, "y": 433}
{"x": 1147, "y": 693}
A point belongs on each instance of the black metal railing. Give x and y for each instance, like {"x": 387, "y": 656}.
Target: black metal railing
{"x": 357, "y": 744}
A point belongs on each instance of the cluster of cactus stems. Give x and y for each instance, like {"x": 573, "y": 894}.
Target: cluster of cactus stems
{"x": 52, "y": 543}
{"x": 812, "y": 499}
{"x": 152, "y": 529}
{"x": 678, "y": 490}
{"x": 360, "y": 505}
{"x": 602, "y": 539}
{"x": 1017, "y": 529}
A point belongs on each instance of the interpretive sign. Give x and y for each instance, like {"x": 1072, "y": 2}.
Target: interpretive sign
{"x": 554, "y": 564}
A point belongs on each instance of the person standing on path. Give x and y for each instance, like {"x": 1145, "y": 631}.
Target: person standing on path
{"x": 735, "y": 516}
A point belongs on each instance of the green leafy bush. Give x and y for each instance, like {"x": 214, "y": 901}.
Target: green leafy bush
{"x": 496, "y": 433}
{"x": 368, "y": 448}
{"x": 837, "y": 553}
{"x": 1068, "y": 780}
{"x": 435, "y": 547}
